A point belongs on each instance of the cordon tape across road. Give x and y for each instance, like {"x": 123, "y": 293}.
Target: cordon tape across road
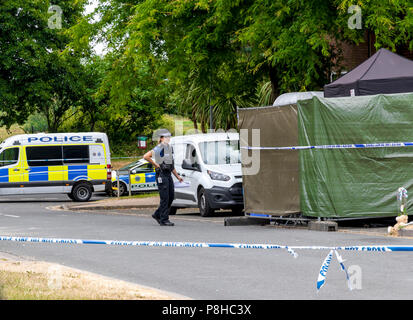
{"x": 321, "y": 276}
{"x": 338, "y": 146}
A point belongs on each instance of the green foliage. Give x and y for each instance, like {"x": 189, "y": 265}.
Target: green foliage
{"x": 36, "y": 122}
{"x": 174, "y": 57}
{"x": 292, "y": 40}
{"x": 264, "y": 94}
{"x": 103, "y": 108}
{"x": 188, "y": 43}
{"x": 33, "y": 74}
{"x": 390, "y": 21}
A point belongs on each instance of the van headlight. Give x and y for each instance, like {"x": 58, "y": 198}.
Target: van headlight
{"x": 218, "y": 176}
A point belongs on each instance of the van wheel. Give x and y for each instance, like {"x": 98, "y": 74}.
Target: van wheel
{"x": 122, "y": 189}
{"x": 204, "y": 209}
{"x": 172, "y": 211}
{"x": 82, "y": 192}
{"x": 70, "y": 196}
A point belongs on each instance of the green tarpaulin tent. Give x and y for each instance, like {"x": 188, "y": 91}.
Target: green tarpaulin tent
{"x": 350, "y": 183}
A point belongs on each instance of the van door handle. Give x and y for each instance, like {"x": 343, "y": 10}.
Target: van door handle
{"x": 15, "y": 170}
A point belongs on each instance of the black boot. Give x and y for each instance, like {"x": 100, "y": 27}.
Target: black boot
{"x": 167, "y": 223}
{"x": 156, "y": 218}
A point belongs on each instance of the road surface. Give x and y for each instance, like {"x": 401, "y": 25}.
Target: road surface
{"x": 213, "y": 273}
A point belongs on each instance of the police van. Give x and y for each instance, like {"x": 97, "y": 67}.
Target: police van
{"x": 74, "y": 163}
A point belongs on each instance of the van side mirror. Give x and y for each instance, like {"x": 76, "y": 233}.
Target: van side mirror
{"x": 186, "y": 164}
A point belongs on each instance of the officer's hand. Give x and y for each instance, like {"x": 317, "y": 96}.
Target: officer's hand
{"x": 157, "y": 166}
{"x": 180, "y": 179}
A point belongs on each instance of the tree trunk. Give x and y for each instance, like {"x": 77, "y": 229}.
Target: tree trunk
{"x": 194, "y": 119}
{"x": 47, "y": 114}
{"x": 203, "y": 126}
{"x": 275, "y": 92}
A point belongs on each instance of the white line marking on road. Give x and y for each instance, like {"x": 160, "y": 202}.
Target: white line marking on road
{"x": 9, "y": 215}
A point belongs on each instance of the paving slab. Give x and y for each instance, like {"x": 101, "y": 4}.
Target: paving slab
{"x": 111, "y": 204}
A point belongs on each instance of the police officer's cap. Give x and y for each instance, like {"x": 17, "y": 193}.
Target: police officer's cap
{"x": 162, "y": 133}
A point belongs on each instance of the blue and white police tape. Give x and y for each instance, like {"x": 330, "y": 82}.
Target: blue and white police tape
{"x": 343, "y": 268}
{"x": 149, "y": 243}
{"x": 323, "y": 270}
{"x": 337, "y": 146}
{"x": 290, "y": 249}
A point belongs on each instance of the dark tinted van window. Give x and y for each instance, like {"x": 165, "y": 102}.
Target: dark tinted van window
{"x": 44, "y": 156}
{"x": 76, "y": 154}
{"x": 9, "y": 156}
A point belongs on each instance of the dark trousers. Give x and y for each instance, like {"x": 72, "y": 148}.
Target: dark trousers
{"x": 166, "y": 193}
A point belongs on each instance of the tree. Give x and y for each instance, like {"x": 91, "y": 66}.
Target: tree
{"x": 390, "y": 22}
{"x": 187, "y": 43}
{"x": 33, "y": 74}
{"x": 221, "y": 52}
{"x": 290, "y": 41}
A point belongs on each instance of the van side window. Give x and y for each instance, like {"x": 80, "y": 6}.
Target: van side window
{"x": 76, "y": 154}
{"x": 9, "y": 157}
{"x": 179, "y": 152}
{"x": 44, "y": 156}
{"x": 220, "y": 152}
{"x": 191, "y": 154}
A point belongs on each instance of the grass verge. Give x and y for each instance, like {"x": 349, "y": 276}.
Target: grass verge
{"x": 29, "y": 280}
{"x": 142, "y": 195}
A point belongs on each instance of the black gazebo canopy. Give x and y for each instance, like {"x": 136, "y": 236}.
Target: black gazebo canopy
{"x": 383, "y": 72}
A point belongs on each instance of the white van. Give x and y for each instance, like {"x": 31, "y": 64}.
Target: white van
{"x": 211, "y": 164}
{"x": 74, "y": 163}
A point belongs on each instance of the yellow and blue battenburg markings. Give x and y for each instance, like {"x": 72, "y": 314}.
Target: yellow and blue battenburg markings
{"x": 4, "y": 175}
{"x": 23, "y": 173}
{"x": 38, "y": 174}
{"x": 148, "y": 177}
{"x": 67, "y": 173}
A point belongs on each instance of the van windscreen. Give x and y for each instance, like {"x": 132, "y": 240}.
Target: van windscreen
{"x": 9, "y": 156}
{"x": 220, "y": 152}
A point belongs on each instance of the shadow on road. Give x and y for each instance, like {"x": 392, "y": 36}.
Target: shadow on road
{"x": 368, "y": 223}
{"x": 217, "y": 214}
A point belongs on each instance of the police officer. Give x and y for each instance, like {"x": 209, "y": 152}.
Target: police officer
{"x": 161, "y": 158}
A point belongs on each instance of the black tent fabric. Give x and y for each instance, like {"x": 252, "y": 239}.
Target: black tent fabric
{"x": 384, "y": 72}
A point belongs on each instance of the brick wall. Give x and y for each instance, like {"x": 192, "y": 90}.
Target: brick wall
{"x": 353, "y": 55}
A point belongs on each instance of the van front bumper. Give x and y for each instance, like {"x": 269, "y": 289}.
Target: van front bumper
{"x": 222, "y": 197}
